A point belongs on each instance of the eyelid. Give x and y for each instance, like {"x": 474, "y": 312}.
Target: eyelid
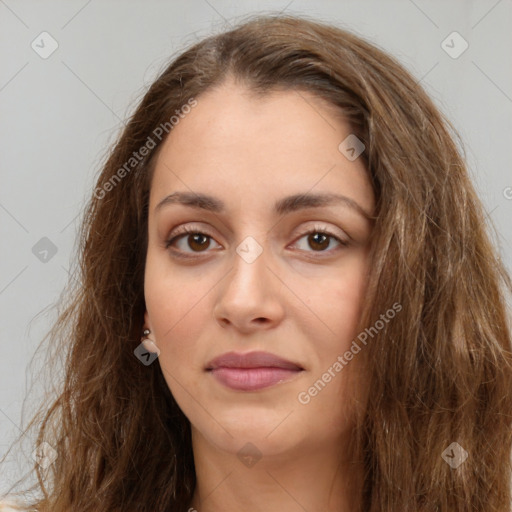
{"x": 188, "y": 229}
{"x": 184, "y": 230}
{"x": 342, "y": 242}
{"x": 342, "y": 236}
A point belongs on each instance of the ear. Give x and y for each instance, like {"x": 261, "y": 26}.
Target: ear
{"x": 147, "y": 322}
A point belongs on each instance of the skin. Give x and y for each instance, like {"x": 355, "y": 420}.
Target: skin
{"x": 301, "y": 299}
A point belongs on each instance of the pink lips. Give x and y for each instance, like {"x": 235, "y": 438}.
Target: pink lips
{"x": 252, "y": 371}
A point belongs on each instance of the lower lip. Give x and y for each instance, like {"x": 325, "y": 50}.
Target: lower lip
{"x": 251, "y": 379}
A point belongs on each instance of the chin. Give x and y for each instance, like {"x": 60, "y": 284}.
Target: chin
{"x": 270, "y": 437}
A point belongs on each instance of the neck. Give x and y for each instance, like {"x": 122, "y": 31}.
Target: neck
{"x": 314, "y": 478}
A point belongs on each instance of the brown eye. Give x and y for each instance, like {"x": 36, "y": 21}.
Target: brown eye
{"x": 198, "y": 241}
{"x": 319, "y": 240}
{"x": 194, "y": 240}
{"x": 190, "y": 241}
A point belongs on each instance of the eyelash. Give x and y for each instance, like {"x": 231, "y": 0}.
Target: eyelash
{"x": 187, "y": 230}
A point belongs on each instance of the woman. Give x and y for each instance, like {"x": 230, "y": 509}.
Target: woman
{"x": 288, "y": 297}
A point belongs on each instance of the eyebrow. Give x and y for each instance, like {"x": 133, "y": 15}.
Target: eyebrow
{"x": 281, "y": 207}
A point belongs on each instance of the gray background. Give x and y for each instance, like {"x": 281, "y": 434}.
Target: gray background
{"x": 58, "y": 115}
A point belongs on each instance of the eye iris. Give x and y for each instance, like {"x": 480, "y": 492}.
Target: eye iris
{"x": 194, "y": 237}
{"x": 316, "y": 242}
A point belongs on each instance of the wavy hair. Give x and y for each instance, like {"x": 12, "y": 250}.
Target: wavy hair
{"x": 441, "y": 372}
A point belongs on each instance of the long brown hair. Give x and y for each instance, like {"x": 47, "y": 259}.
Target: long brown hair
{"x": 440, "y": 373}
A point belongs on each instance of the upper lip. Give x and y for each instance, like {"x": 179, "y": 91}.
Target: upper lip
{"x": 251, "y": 360}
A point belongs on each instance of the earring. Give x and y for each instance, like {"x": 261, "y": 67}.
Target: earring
{"x": 149, "y": 343}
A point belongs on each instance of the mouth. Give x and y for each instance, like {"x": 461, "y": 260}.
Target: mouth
{"x": 252, "y": 371}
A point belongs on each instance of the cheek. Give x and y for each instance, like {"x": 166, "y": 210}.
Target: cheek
{"x": 338, "y": 301}
{"x": 177, "y": 308}
{"x": 347, "y": 303}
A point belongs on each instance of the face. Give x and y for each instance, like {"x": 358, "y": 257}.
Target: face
{"x": 256, "y": 272}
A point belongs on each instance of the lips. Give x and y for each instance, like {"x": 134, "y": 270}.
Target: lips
{"x": 251, "y": 360}
{"x": 252, "y": 371}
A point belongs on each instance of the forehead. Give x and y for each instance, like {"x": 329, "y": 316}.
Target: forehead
{"x": 234, "y": 142}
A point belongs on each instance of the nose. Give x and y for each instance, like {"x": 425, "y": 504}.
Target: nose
{"x": 249, "y": 297}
